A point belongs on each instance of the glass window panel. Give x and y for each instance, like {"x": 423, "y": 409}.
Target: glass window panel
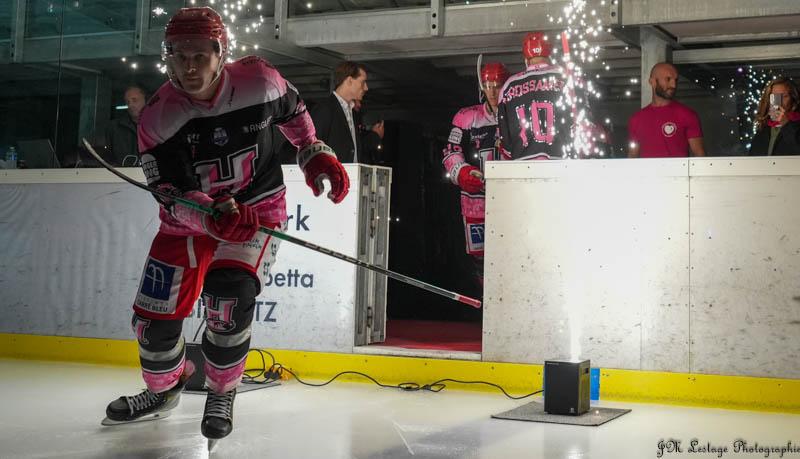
{"x": 91, "y": 16}
{"x": 79, "y": 17}
{"x": 5, "y": 20}
{"x": 30, "y": 103}
{"x": 307, "y": 7}
{"x": 43, "y": 18}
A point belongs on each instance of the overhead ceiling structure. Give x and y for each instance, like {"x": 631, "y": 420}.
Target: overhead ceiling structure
{"x": 421, "y": 55}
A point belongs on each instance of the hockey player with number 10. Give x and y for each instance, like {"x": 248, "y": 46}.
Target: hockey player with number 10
{"x": 540, "y": 116}
{"x": 205, "y": 136}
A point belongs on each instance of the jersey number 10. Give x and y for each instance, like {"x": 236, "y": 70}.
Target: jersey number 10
{"x": 541, "y": 122}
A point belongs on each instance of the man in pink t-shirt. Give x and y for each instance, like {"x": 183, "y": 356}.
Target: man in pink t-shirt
{"x": 666, "y": 128}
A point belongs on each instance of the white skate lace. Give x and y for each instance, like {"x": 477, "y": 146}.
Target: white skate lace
{"x": 220, "y": 406}
{"x": 142, "y": 401}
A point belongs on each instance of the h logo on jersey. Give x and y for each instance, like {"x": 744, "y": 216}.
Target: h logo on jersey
{"x": 233, "y": 175}
{"x": 220, "y": 137}
{"x": 219, "y": 313}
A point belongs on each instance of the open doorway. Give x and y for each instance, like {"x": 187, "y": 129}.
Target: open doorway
{"x": 427, "y": 242}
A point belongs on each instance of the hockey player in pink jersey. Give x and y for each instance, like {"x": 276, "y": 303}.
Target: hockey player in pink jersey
{"x": 472, "y": 142}
{"x": 205, "y": 136}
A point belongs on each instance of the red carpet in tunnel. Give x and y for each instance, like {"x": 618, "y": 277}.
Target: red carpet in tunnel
{"x": 429, "y": 334}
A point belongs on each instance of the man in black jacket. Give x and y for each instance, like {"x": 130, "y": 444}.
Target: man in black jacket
{"x": 337, "y": 122}
{"x": 117, "y": 142}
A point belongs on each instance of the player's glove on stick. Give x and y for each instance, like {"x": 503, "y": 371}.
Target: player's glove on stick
{"x": 318, "y": 162}
{"x": 234, "y": 223}
{"x": 470, "y": 179}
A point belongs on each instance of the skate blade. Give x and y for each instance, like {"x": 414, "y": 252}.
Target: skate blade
{"x": 149, "y": 417}
{"x": 211, "y": 445}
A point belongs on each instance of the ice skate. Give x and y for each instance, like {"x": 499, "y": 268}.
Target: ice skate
{"x": 147, "y": 405}
{"x": 218, "y": 417}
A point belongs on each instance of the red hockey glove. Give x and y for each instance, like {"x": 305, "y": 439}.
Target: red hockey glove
{"x": 236, "y": 223}
{"x": 318, "y": 162}
{"x": 470, "y": 179}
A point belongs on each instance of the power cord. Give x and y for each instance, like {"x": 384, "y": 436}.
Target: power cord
{"x": 276, "y": 371}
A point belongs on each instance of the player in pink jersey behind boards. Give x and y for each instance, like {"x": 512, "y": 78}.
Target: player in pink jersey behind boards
{"x": 666, "y": 128}
{"x": 205, "y": 136}
{"x": 473, "y": 141}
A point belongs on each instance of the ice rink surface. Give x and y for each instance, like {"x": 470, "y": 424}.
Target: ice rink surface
{"x": 54, "y": 409}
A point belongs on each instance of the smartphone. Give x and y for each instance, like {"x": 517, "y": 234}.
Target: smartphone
{"x": 776, "y": 100}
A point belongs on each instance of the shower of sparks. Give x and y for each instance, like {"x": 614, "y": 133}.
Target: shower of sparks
{"x": 581, "y": 26}
{"x": 755, "y": 81}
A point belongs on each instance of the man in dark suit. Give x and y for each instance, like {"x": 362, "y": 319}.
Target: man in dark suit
{"x": 339, "y": 125}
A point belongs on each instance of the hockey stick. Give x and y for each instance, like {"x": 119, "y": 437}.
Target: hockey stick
{"x": 283, "y": 236}
{"x": 480, "y": 82}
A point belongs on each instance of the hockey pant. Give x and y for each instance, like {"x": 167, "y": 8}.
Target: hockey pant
{"x": 473, "y": 211}
{"x": 178, "y": 270}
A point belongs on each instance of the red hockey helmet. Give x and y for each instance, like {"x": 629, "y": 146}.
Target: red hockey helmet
{"x": 196, "y": 23}
{"x": 495, "y": 72}
{"x": 535, "y": 45}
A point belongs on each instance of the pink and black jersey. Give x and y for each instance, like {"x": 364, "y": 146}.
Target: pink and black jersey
{"x": 472, "y": 140}
{"x": 204, "y": 149}
{"x": 533, "y": 125}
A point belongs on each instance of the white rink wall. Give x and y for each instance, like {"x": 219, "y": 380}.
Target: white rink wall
{"x": 75, "y": 241}
{"x": 678, "y": 265}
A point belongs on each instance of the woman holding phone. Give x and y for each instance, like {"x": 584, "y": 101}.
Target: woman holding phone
{"x": 778, "y": 120}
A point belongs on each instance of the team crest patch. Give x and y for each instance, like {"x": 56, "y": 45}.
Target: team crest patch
{"x": 158, "y": 290}
{"x": 220, "y": 137}
{"x": 669, "y": 129}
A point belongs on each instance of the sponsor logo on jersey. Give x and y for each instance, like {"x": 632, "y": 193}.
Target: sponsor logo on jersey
{"x": 455, "y": 136}
{"x": 475, "y": 236}
{"x": 158, "y": 290}
{"x": 669, "y": 129}
{"x": 193, "y": 138}
{"x": 150, "y": 168}
{"x": 220, "y": 137}
{"x": 255, "y": 127}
